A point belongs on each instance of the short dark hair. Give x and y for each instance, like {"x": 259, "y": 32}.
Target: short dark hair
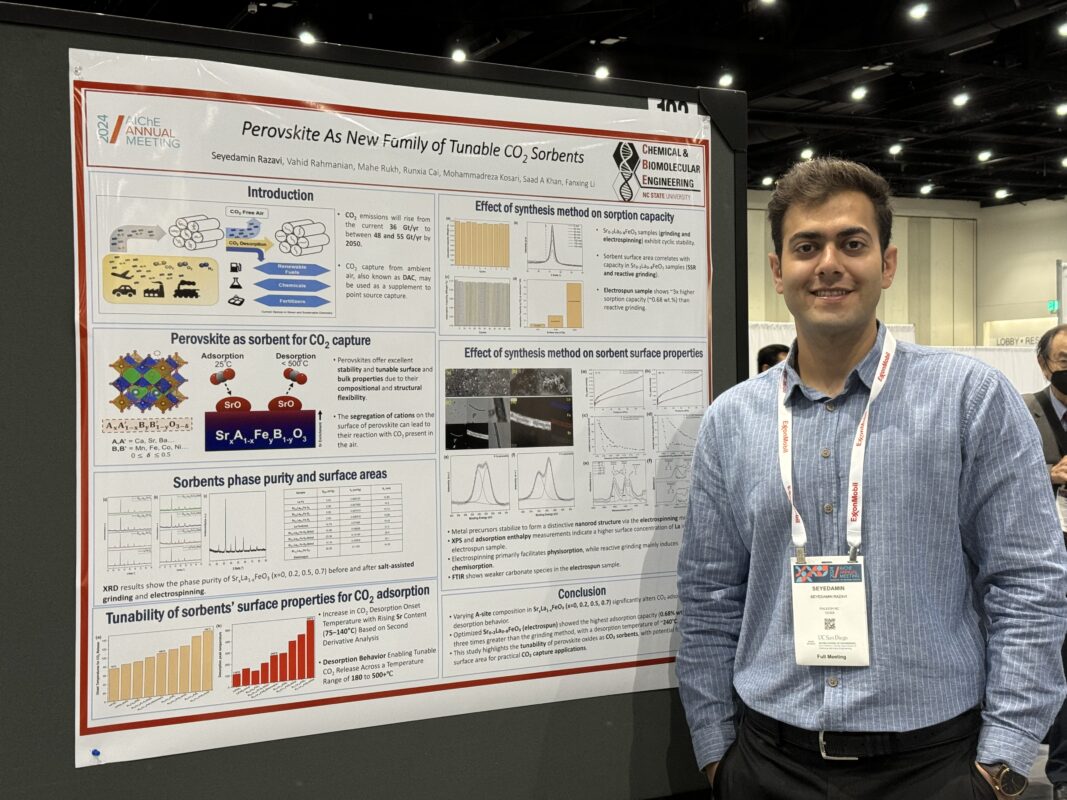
{"x": 768, "y": 356}
{"x": 1044, "y": 344}
{"x": 813, "y": 182}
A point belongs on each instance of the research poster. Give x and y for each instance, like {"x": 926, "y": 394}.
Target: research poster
{"x": 387, "y": 398}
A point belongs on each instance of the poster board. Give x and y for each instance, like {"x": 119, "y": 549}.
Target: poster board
{"x": 572, "y": 708}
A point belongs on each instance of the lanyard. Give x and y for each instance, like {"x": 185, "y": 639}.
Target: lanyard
{"x": 855, "y": 471}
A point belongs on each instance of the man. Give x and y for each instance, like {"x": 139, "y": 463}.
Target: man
{"x": 770, "y": 355}
{"x": 1049, "y": 408}
{"x": 922, "y": 661}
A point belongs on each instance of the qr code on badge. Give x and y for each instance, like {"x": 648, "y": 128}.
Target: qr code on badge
{"x": 830, "y": 624}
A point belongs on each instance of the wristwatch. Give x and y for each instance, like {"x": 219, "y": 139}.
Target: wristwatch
{"x": 1006, "y": 780}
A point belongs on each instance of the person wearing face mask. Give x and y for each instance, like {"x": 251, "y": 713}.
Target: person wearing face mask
{"x": 1049, "y": 408}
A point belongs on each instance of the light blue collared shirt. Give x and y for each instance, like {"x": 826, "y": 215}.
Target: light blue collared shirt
{"x": 966, "y": 571}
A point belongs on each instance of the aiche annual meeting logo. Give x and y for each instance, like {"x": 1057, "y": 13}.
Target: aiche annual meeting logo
{"x": 137, "y": 130}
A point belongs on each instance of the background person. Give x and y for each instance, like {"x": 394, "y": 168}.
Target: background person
{"x": 770, "y": 355}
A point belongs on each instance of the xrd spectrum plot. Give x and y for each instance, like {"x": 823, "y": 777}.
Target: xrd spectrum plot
{"x": 617, "y": 388}
{"x": 554, "y": 246}
{"x": 181, "y": 528}
{"x": 237, "y": 526}
{"x": 274, "y": 652}
{"x": 546, "y": 480}
{"x": 481, "y": 244}
{"x": 619, "y": 483}
{"x": 677, "y": 433}
{"x": 129, "y": 531}
{"x": 678, "y": 388}
{"x": 481, "y": 304}
{"x": 618, "y": 436}
{"x": 154, "y": 665}
{"x": 672, "y": 481}
{"x": 478, "y": 485}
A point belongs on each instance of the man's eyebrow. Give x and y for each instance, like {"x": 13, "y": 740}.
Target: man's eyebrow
{"x": 816, "y": 236}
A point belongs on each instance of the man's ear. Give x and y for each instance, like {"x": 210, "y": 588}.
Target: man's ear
{"x": 889, "y": 266}
{"x": 776, "y": 271}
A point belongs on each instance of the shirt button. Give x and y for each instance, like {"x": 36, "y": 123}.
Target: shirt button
{"x": 828, "y": 508}
{"x": 832, "y": 682}
{"x": 825, "y": 452}
{"x": 830, "y": 406}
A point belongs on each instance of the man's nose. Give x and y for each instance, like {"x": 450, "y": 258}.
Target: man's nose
{"x": 829, "y": 261}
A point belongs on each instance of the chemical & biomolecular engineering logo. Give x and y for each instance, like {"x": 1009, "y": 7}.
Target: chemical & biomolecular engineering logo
{"x": 626, "y": 159}
{"x": 137, "y": 130}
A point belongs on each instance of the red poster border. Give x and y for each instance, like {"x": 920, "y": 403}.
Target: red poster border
{"x": 79, "y": 88}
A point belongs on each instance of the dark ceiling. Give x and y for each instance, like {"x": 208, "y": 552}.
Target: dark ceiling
{"x": 798, "y": 61}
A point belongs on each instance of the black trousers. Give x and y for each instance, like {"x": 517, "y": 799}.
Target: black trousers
{"x": 762, "y": 766}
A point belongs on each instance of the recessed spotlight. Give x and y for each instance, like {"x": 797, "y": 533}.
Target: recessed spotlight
{"x": 1000, "y": 194}
{"x": 768, "y": 180}
{"x": 961, "y": 99}
{"x": 1064, "y": 162}
{"x": 919, "y": 11}
{"x": 307, "y": 37}
{"x": 985, "y": 155}
{"x": 926, "y": 188}
{"x": 807, "y": 154}
{"x": 859, "y": 92}
{"x": 1061, "y": 110}
{"x": 1062, "y": 30}
{"x": 459, "y": 54}
{"x": 766, "y": 2}
{"x": 726, "y": 80}
{"x": 602, "y": 72}
{"x": 896, "y": 149}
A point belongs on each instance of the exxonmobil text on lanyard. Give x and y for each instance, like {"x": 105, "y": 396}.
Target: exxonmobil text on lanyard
{"x": 829, "y": 596}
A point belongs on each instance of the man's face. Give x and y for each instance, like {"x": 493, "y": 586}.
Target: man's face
{"x": 1057, "y": 356}
{"x": 832, "y": 271}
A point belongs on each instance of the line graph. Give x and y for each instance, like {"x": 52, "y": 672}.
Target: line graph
{"x": 678, "y": 388}
{"x": 672, "y": 481}
{"x": 546, "y": 480}
{"x": 181, "y": 528}
{"x": 620, "y": 482}
{"x": 237, "y": 526}
{"x": 129, "y": 531}
{"x": 618, "y": 436}
{"x": 553, "y": 246}
{"x": 677, "y": 433}
{"x": 479, "y": 484}
{"x": 617, "y": 388}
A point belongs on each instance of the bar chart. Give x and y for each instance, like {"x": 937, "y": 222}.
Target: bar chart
{"x": 275, "y": 652}
{"x": 176, "y": 670}
{"x": 481, "y": 244}
{"x": 552, "y": 304}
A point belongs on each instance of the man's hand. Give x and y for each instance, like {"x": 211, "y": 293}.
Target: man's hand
{"x": 710, "y": 771}
{"x": 1059, "y": 471}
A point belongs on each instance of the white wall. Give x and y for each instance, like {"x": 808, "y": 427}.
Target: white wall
{"x": 1017, "y": 250}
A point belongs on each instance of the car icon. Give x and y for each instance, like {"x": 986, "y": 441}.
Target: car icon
{"x": 125, "y": 290}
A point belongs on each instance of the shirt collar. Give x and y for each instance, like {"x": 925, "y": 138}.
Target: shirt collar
{"x": 1057, "y": 406}
{"x": 863, "y": 372}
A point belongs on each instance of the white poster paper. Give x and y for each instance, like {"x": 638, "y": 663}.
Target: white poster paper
{"x": 387, "y": 400}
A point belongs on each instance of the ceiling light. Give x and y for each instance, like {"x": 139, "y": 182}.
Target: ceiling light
{"x": 961, "y": 99}
{"x": 807, "y": 153}
{"x": 768, "y": 180}
{"x": 459, "y": 54}
{"x": 726, "y": 80}
{"x": 1064, "y": 162}
{"x": 895, "y": 149}
{"x": 985, "y": 155}
{"x": 602, "y": 72}
{"x": 926, "y": 188}
{"x": 766, "y": 2}
{"x": 1061, "y": 109}
{"x": 1000, "y": 194}
{"x": 307, "y": 37}
{"x": 859, "y": 92}
{"x": 1062, "y": 30}
{"x": 918, "y": 11}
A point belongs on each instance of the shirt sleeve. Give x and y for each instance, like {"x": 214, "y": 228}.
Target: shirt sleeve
{"x": 1010, "y": 531}
{"x": 712, "y": 583}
